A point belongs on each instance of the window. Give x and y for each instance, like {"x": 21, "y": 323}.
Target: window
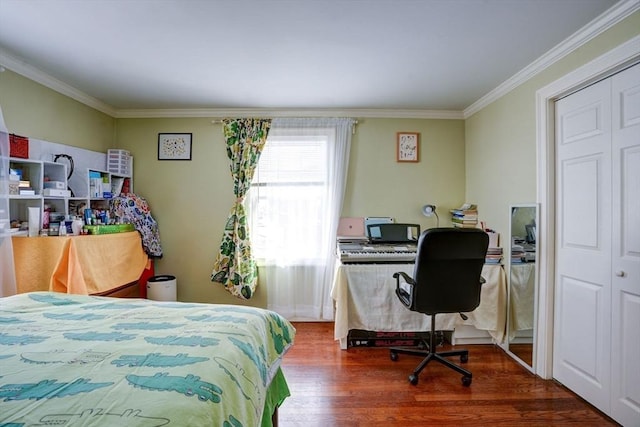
{"x": 288, "y": 198}
{"x": 294, "y": 208}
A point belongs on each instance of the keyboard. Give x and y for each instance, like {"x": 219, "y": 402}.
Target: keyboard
{"x": 376, "y": 254}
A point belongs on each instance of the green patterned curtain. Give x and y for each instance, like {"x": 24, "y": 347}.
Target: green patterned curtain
{"x": 234, "y": 267}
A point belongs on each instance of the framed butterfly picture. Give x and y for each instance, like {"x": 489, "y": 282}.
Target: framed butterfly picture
{"x": 174, "y": 146}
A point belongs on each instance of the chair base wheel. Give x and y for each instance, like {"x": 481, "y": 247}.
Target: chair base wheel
{"x": 464, "y": 358}
{"x": 466, "y": 381}
{"x": 393, "y": 355}
{"x": 413, "y": 379}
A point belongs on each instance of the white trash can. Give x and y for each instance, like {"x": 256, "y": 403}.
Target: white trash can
{"x": 162, "y": 288}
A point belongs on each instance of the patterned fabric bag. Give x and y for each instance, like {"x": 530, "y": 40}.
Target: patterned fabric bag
{"x": 134, "y": 209}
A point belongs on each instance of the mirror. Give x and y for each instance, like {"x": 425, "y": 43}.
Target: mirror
{"x": 522, "y": 283}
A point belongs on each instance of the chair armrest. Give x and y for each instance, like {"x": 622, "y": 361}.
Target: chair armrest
{"x": 403, "y": 295}
{"x": 405, "y": 276}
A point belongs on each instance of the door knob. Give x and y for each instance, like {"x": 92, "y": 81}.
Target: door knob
{"x": 620, "y": 273}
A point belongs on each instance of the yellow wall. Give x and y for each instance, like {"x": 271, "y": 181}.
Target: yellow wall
{"x": 377, "y": 185}
{"x": 488, "y": 159}
{"x": 191, "y": 199}
{"x": 501, "y": 138}
{"x": 33, "y": 110}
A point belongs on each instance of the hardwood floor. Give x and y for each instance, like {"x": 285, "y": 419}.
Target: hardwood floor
{"x": 523, "y": 351}
{"x": 363, "y": 387}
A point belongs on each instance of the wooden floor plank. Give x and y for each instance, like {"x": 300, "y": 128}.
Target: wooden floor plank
{"x": 362, "y": 387}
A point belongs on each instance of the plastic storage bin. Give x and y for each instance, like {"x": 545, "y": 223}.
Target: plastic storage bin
{"x": 118, "y": 162}
{"x": 162, "y": 288}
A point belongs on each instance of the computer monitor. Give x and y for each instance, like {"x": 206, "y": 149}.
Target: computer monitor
{"x": 531, "y": 233}
{"x": 393, "y": 233}
{"x": 375, "y": 220}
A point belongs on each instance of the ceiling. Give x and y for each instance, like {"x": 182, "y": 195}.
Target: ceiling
{"x": 284, "y": 54}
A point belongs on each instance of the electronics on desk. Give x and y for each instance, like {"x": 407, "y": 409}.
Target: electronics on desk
{"x": 383, "y": 241}
{"x": 351, "y": 229}
{"x": 357, "y": 228}
{"x": 393, "y": 233}
{"x": 365, "y": 253}
{"x": 375, "y": 220}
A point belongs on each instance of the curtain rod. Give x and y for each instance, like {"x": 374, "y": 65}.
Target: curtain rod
{"x": 353, "y": 130}
{"x": 219, "y": 121}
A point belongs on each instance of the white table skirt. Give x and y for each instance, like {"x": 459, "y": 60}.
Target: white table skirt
{"x": 522, "y": 297}
{"x": 365, "y": 298}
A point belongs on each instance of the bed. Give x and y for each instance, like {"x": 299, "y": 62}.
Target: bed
{"x": 98, "y": 361}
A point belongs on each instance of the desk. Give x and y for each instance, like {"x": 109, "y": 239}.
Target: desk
{"x": 78, "y": 264}
{"x": 365, "y": 298}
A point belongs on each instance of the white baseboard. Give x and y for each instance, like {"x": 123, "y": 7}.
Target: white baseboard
{"x": 467, "y": 334}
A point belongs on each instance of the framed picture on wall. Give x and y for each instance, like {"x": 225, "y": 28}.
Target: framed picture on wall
{"x": 174, "y": 146}
{"x": 408, "y": 146}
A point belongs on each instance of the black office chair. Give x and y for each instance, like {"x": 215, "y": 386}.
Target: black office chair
{"x": 446, "y": 279}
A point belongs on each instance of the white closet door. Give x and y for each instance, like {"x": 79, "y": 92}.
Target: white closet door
{"x": 625, "y": 345}
{"x": 582, "y": 321}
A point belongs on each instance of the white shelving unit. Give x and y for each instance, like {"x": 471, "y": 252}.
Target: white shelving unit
{"x": 32, "y": 171}
{"x": 37, "y": 172}
{"x": 94, "y": 195}
{"x": 54, "y": 172}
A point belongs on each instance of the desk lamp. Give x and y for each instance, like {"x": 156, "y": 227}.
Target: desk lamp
{"x": 430, "y": 210}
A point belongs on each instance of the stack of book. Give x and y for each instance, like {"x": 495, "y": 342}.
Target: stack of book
{"x": 466, "y": 216}
{"x": 25, "y": 188}
{"x": 494, "y": 256}
{"x": 517, "y": 254}
{"x": 521, "y": 251}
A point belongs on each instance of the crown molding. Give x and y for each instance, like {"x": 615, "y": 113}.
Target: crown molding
{"x": 596, "y": 27}
{"x": 20, "y": 67}
{"x": 301, "y": 112}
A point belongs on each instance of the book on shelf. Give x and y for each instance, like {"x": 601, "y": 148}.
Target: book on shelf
{"x": 126, "y": 186}
{"x": 462, "y": 225}
{"x": 460, "y": 220}
{"x": 494, "y": 255}
{"x": 465, "y": 217}
{"x": 116, "y": 186}
{"x": 54, "y": 192}
{"x": 465, "y": 209}
{"x": 26, "y": 191}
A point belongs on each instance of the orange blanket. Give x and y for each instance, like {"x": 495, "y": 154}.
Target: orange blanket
{"x": 78, "y": 264}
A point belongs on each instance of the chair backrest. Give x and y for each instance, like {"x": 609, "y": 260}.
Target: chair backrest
{"x": 448, "y": 270}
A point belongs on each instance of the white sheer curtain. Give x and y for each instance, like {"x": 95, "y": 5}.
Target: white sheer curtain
{"x": 295, "y": 206}
{"x": 7, "y": 273}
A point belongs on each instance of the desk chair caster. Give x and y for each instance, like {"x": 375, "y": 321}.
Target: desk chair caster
{"x": 413, "y": 378}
